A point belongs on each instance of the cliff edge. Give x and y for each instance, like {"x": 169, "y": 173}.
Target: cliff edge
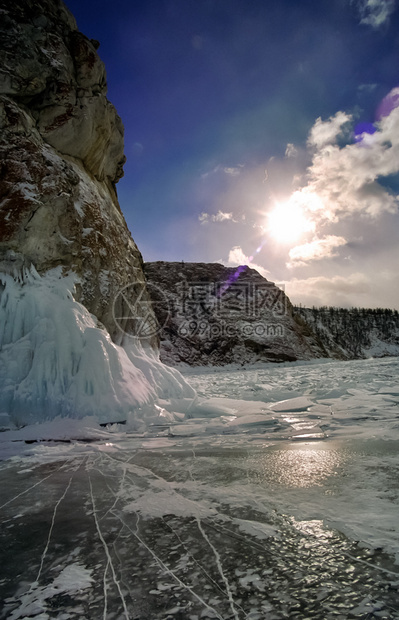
{"x": 72, "y": 287}
{"x": 61, "y": 152}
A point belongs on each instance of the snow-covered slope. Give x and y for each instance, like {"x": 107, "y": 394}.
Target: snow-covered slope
{"x": 354, "y": 333}
{"x": 215, "y": 315}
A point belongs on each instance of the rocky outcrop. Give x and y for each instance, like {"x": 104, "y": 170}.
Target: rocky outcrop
{"x": 61, "y": 153}
{"x": 210, "y": 314}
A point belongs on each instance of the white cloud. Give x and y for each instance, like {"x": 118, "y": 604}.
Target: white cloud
{"x": 336, "y": 291}
{"x": 375, "y": 13}
{"x": 377, "y": 289}
{"x": 233, "y": 171}
{"x": 315, "y": 250}
{"x": 220, "y": 216}
{"x": 204, "y": 218}
{"x": 367, "y": 88}
{"x": 290, "y": 151}
{"x": 238, "y": 258}
{"x": 327, "y": 132}
{"x": 344, "y": 180}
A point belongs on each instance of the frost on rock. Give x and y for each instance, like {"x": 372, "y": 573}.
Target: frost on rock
{"x": 56, "y": 361}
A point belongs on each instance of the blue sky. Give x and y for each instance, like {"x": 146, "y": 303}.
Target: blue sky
{"x": 263, "y": 132}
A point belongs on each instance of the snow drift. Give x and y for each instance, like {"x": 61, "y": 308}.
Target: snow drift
{"x": 57, "y": 360}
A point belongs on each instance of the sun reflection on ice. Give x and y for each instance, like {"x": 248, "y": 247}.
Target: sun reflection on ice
{"x": 299, "y": 466}
{"x": 313, "y": 527}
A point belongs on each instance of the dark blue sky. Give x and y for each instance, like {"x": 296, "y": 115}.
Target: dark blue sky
{"x": 212, "y": 91}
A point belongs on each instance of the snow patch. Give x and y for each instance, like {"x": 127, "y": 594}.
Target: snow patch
{"x": 255, "y": 528}
{"x": 164, "y": 502}
{"x": 71, "y": 580}
{"x": 292, "y": 404}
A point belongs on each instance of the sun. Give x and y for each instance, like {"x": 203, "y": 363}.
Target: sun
{"x": 287, "y": 222}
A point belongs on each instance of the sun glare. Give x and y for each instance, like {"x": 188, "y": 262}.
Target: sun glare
{"x": 287, "y": 222}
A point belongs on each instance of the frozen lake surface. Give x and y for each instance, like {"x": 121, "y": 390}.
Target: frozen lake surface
{"x": 276, "y": 497}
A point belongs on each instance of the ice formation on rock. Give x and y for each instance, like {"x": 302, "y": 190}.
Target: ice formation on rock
{"x": 56, "y": 360}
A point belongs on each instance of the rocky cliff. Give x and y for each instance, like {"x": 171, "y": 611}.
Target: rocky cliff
{"x": 61, "y": 153}
{"x": 77, "y": 329}
{"x": 216, "y": 315}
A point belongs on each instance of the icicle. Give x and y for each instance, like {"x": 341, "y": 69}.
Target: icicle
{"x": 56, "y": 361}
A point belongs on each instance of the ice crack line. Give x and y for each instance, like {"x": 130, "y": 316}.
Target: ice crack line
{"x": 190, "y": 469}
{"x": 121, "y": 565}
{"x": 220, "y": 568}
{"x": 207, "y": 575}
{"x": 384, "y": 570}
{"x": 116, "y": 495}
{"x": 30, "y": 488}
{"x": 51, "y": 527}
{"x": 164, "y": 567}
{"x": 109, "y": 561}
{"x": 139, "y": 469}
{"x": 250, "y": 543}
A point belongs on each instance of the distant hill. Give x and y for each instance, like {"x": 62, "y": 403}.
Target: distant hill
{"x": 210, "y": 314}
{"x": 354, "y": 333}
{"x": 214, "y": 315}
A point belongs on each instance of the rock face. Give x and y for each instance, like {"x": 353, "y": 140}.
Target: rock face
{"x": 61, "y": 153}
{"x": 214, "y": 315}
